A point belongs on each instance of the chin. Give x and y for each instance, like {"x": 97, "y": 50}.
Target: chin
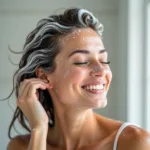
{"x": 100, "y": 103}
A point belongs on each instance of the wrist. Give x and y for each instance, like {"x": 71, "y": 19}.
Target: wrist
{"x": 41, "y": 127}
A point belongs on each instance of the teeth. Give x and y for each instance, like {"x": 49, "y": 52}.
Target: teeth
{"x": 94, "y": 87}
{"x": 91, "y": 87}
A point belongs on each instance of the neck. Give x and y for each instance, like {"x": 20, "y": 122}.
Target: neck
{"x": 73, "y": 128}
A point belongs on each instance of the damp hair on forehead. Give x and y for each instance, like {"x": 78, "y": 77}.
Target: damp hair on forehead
{"x": 40, "y": 49}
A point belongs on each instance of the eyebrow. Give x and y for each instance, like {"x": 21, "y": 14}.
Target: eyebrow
{"x": 85, "y": 52}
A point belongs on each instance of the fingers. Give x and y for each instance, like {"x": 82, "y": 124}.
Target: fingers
{"x": 26, "y": 81}
{"x": 27, "y": 101}
{"x": 29, "y": 87}
{"x": 32, "y": 88}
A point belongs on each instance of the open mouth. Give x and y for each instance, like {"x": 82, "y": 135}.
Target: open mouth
{"x": 95, "y": 89}
{"x": 98, "y": 87}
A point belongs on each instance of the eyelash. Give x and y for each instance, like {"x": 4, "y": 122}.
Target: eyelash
{"x": 85, "y": 63}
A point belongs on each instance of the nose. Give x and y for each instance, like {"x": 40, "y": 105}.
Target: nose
{"x": 98, "y": 71}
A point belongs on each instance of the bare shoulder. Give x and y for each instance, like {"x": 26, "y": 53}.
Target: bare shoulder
{"x": 134, "y": 138}
{"x": 109, "y": 124}
{"x": 131, "y": 138}
{"x": 19, "y": 142}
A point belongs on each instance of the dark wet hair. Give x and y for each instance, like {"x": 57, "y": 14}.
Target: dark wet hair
{"x": 40, "y": 50}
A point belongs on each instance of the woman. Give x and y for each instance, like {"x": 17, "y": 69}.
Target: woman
{"x": 63, "y": 74}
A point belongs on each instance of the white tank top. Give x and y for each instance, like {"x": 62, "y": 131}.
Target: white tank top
{"x": 119, "y": 132}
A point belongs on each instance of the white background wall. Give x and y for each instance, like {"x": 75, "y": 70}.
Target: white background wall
{"x": 18, "y": 18}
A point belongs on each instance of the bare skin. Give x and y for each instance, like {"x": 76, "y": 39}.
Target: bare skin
{"x": 129, "y": 139}
{"x": 76, "y": 127}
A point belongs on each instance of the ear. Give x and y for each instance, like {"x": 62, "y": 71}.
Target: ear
{"x": 42, "y": 74}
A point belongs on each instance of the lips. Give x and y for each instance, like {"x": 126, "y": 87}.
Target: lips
{"x": 102, "y": 82}
{"x": 95, "y": 87}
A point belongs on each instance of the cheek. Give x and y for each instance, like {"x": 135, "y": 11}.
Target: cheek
{"x": 109, "y": 74}
{"x": 75, "y": 74}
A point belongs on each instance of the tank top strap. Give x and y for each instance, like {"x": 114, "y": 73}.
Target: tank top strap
{"x": 123, "y": 126}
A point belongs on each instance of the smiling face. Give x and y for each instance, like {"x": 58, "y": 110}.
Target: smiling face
{"x": 82, "y": 76}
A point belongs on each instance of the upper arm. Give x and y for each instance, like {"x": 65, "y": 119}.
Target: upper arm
{"x": 16, "y": 144}
{"x": 142, "y": 141}
{"x": 134, "y": 138}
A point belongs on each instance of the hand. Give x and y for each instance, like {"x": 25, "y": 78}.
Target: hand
{"x": 28, "y": 101}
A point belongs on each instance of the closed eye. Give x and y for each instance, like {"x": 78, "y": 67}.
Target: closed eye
{"x": 107, "y": 62}
{"x": 86, "y": 63}
{"x": 81, "y": 63}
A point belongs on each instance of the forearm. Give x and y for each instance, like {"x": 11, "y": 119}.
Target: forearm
{"x": 38, "y": 138}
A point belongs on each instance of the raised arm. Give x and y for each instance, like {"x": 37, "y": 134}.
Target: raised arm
{"x": 33, "y": 110}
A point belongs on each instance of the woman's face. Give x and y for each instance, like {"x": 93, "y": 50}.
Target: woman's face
{"x": 82, "y": 78}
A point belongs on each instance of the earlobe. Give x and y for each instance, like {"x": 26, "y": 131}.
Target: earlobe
{"x": 50, "y": 83}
